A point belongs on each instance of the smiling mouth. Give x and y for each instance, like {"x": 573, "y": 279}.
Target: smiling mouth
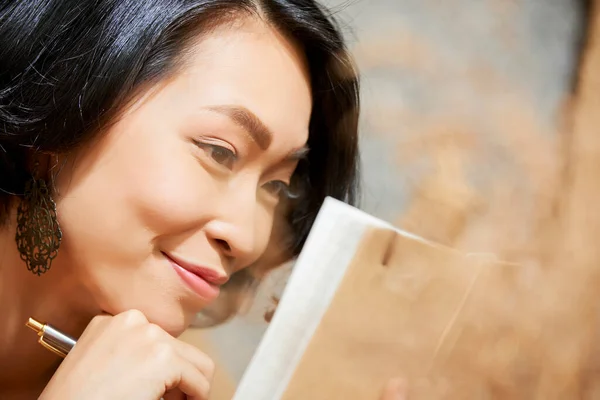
{"x": 203, "y": 281}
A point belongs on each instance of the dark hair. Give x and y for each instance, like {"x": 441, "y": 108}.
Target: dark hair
{"x": 68, "y": 67}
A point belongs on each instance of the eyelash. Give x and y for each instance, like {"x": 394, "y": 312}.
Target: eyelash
{"x": 212, "y": 149}
{"x": 281, "y": 188}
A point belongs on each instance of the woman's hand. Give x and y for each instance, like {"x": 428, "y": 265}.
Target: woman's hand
{"x": 395, "y": 390}
{"x": 126, "y": 357}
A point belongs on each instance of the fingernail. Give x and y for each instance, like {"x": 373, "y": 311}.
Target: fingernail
{"x": 397, "y": 388}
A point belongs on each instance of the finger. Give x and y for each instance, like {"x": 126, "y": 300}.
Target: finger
{"x": 187, "y": 368}
{"x": 195, "y": 368}
{"x": 123, "y": 321}
{"x": 97, "y": 323}
{"x": 395, "y": 389}
{"x": 193, "y": 383}
{"x": 131, "y": 318}
{"x": 196, "y": 357}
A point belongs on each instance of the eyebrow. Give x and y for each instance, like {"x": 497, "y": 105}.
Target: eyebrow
{"x": 248, "y": 121}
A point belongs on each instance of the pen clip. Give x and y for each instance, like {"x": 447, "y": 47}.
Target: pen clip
{"x": 51, "y": 347}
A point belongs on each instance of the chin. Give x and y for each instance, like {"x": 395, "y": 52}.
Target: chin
{"x": 173, "y": 319}
{"x": 174, "y": 322}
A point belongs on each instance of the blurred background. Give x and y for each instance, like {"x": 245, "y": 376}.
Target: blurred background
{"x": 463, "y": 108}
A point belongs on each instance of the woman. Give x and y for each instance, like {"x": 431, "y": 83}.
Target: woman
{"x": 149, "y": 151}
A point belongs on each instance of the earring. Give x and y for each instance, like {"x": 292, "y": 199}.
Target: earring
{"x": 38, "y": 233}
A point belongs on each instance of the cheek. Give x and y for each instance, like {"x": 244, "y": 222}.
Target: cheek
{"x": 272, "y": 234}
{"x": 162, "y": 181}
{"x": 132, "y": 188}
{"x": 263, "y": 229}
{"x": 165, "y": 185}
{"x": 170, "y": 192}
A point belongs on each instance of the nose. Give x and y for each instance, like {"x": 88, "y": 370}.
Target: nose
{"x": 233, "y": 231}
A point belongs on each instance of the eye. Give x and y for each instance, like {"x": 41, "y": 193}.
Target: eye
{"x": 279, "y": 189}
{"x": 221, "y": 155}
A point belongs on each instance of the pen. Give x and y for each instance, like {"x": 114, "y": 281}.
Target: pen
{"x": 51, "y": 338}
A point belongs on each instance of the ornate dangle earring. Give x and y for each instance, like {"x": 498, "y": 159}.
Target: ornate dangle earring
{"x": 38, "y": 234}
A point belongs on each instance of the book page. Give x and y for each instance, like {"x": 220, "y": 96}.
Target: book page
{"x": 388, "y": 317}
{"x": 318, "y": 271}
{"x": 455, "y": 326}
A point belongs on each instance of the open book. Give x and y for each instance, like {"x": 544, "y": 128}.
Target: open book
{"x": 318, "y": 272}
{"x": 367, "y": 302}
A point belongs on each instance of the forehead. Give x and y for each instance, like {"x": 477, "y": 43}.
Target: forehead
{"x": 252, "y": 65}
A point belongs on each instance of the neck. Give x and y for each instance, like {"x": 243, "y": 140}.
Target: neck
{"x": 54, "y": 297}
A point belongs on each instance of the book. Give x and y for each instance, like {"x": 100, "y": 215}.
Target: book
{"x": 346, "y": 302}
{"x": 367, "y": 302}
{"x": 317, "y": 273}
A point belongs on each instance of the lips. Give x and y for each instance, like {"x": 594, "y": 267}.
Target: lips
{"x": 203, "y": 281}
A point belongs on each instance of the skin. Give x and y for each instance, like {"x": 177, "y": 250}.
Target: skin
{"x": 395, "y": 389}
{"x": 177, "y": 175}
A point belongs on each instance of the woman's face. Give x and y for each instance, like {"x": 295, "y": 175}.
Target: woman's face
{"x": 183, "y": 189}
